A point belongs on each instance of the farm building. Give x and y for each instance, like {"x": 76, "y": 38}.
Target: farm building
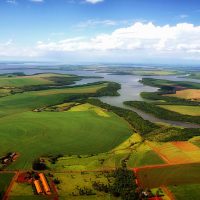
{"x": 45, "y": 184}
{"x": 37, "y": 186}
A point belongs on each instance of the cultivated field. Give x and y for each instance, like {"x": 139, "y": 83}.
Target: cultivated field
{"x": 177, "y": 152}
{"x": 152, "y": 177}
{"x": 185, "y": 110}
{"x": 193, "y": 94}
{"x": 35, "y": 134}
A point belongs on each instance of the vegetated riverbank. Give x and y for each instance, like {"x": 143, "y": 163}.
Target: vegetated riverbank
{"x": 160, "y": 98}
{"x": 162, "y": 113}
{"x": 149, "y": 130}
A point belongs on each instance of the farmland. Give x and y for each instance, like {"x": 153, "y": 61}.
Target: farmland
{"x": 169, "y": 175}
{"x": 192, "y": 94}
{"x": 79, "y": 138}
{"x": 35, "y": 139}
{"x": 185, "y": 110}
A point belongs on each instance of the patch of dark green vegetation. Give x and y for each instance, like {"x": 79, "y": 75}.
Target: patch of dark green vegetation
{"x": 161, "y": 112}
{"x": 167, "y": 100}
{"x": 122, "y": 186}
{"x": 167, "y": 134}
{"x": 161, "y": 83}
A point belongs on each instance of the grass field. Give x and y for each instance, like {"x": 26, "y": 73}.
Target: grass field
{"x": 189, "y": 192}
{"x": 185, "y": 110}
{"x": 193, "y": 94}
{"x": 5, "y": 180}
{"x": 169, "y": 175}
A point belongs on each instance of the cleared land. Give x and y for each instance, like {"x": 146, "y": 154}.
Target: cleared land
{"x": 193, "y": 94}
{"x": 185, "y": 110}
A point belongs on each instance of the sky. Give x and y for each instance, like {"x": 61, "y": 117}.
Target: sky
{"x": 124, "y": 31}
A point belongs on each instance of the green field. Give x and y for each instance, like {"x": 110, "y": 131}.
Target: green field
{"x": 169, "y": 175}
{"x": 137, "y": 155}
{"x": 144, "y": 156}
{"x": 31, "y": 100}
{"x": 189, "y": 192}
{"x": 185, "y": 110}
{"x": 21, "y": 81}
{"x": 5, "y": 180}
{"x": 36, "y": 134}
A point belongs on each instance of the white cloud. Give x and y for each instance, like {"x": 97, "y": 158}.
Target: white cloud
{"x": 94, "y": 1}
{"x": 183, "y": 38}
{"x": 139, "y": 41}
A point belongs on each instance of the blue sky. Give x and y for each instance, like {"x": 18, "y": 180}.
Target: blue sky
{"x": 100, "y": 30}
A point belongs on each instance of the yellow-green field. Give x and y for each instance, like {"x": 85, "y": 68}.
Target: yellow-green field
{"x": 87, "y": 107}
{"x": 193, "y": 94}
{"x": 177, "y": 152}
{"x": 185, "y": 110}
